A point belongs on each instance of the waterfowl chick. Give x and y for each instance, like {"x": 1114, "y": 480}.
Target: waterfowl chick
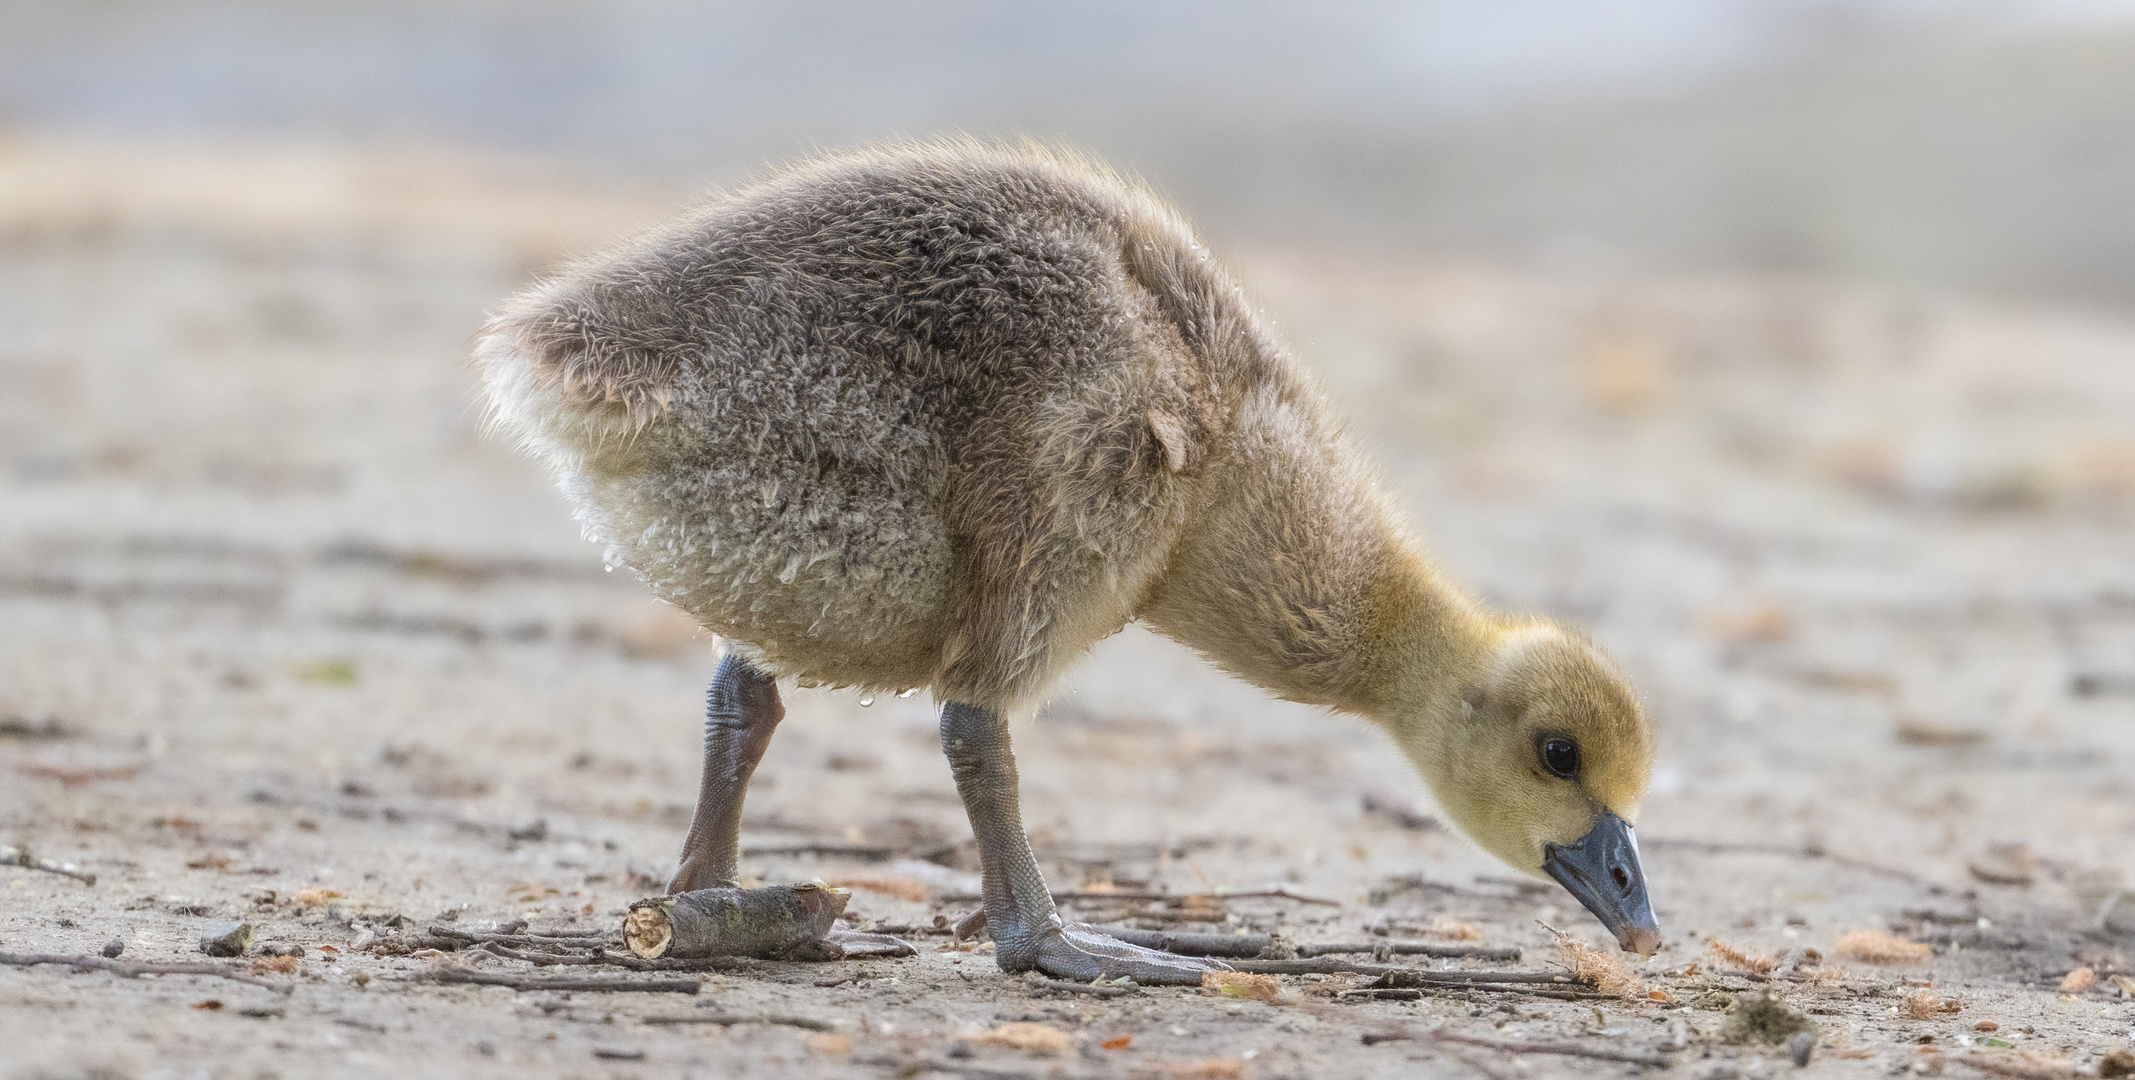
{"x": 945, "y": 415}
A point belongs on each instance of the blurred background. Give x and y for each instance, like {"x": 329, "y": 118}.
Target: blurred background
{"x": 1789, "y": 345}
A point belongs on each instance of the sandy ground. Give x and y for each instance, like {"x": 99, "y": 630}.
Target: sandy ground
{"x": 284, "y": 638}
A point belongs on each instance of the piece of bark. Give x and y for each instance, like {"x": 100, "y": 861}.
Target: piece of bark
{"x": 783, "y": 921}
{"x": 226, "y": 938}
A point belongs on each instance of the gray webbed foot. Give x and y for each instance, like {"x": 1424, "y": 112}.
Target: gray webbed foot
{"x": 1078, "y": 952}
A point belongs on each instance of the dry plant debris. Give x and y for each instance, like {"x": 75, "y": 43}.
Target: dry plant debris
{"x": 1876, "y": 947}
{"x": 1242, "y": 984}
{"x": 1745, "y": 959}
{"x": 1928, "y": 1005}
{"x": 2079, "y": 980}
{"x": 1598, "y": 969}
{"x": 1028, "y": 1037}
{"x": 1763, "y": 1018}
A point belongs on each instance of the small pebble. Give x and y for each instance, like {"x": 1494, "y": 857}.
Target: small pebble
{"x": 226, "y": 938}
{"x": 1799, "y": 1046}
{"x": 113, "y": 948}
{"x": 1986, "y": 1025}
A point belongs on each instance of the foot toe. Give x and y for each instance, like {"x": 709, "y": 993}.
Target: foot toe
{"x": 1074, "y": 953}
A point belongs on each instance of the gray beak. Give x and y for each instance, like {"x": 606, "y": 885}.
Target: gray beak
{"x": 1603, "y": 871}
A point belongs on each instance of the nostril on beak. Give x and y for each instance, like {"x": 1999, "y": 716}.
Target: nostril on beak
{"x": 1623, "y": 879}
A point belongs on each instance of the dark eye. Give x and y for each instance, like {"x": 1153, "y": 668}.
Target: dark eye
{"x": 1560, "y": 756}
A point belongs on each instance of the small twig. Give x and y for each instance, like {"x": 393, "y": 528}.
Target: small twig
{"x": 540, "y": 958}
{"x": 1417, "y": 976}
{"x": 15, "y": 856}
{"x": 1413, "y": 948}
{"x": 518, "y": 982}
{"x": 1373, "y": 993}
{"x": 1320, "y": 966}
{"x": 580, "y": 940}
{"x": 849, "y": 851}
{"x": 1092, "y": 989}
{"x": 730, "y": 1019}
{"x": 133, "y": 969}
{"x": 1510, "y": 1046}
{"x": 1249, "y": 894}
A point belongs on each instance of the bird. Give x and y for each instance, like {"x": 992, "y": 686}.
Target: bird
{"x": 943, "y": 414}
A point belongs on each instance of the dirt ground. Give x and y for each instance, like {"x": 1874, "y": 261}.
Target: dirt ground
{"x": 284, "y": 638}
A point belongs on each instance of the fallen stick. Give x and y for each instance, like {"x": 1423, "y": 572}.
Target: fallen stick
{"x": 1249, "y": 894}
{"x": 1249, "y": 946}
{"x": 1321, "y": 966}
{"x": 730, "y": 1019}
{"x": 1244, "y": 946}
{"x": 520, "y": 982}
{"x": 849, "y": 851}
{"x": 15, "y": 856}
{"x": 777, "y": 921}
{"x": 133, "y": 969}
{"x": 1414, "y": 948}
{"x": 1417, "y": 977}
{"x": 1510, "y": 1046}
{"x": 604, "y": 937}
{"x": 603, "y": 957}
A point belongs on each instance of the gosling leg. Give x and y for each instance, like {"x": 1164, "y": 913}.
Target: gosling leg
{"x": 1027, "y": 930}
{"x": 742, "y": 711}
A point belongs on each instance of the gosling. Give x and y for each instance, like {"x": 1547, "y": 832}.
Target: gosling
{"x": 944, "y": 415}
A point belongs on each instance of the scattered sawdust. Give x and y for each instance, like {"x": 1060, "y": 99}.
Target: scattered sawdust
{"x": 1028, "y": 1037}
{"x": 1929, "y": 1005}
{"x": 1763, "y": 621}
{"x": 1120, "y": 1043}
{"x": 2079, "y": 980}
{"x": 1455, "y": 929}
{"x": 1876, "y": 947}
{"x": 1208, "y": 1069}
{"x": 1242, "y": 984}
{"x": 905, "y": 889}
{"x": 830, "y": 1044}
{"x": 1602, "y": 971}
{"x": 1763, "y": 1018}
{"x": 312, "y": 898}
{"x": 1745, "y": 959}
{"x": 277, "y": 965}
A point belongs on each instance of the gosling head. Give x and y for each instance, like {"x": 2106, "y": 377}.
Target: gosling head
{"x": 1542, "y": 761}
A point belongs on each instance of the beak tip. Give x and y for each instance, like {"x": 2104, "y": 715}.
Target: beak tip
{"x": 1643, "y": 940}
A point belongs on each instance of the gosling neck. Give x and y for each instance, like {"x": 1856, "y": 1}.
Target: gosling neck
{"x": 1298, "y": 576}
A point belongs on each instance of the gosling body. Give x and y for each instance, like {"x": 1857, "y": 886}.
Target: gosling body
{"x": 945, "y": 415}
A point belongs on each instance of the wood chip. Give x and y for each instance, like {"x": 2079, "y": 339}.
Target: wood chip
{"x": 1028, "y": 1037}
